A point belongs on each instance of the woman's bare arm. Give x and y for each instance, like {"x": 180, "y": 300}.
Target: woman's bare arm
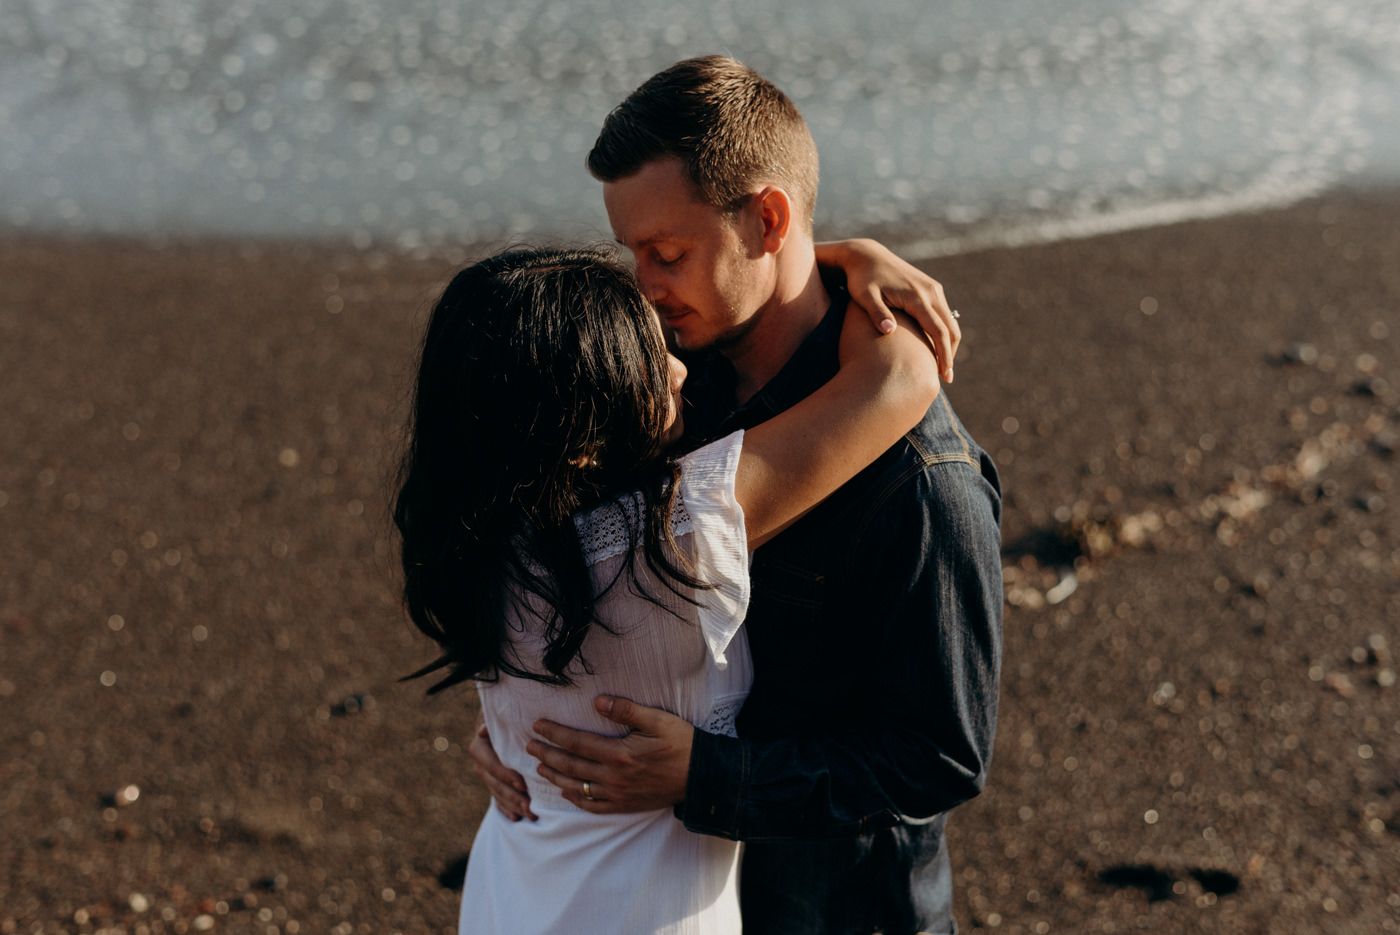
{"x": 801, "y": 456}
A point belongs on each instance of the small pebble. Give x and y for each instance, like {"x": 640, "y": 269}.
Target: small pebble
{"x": 1371, "y": 503}
{"x": 1379, "y": 649}
{"x": 1066, "y": 586}
{"x": 1340, "y": 684}
{"x": 353, "y": 704}
{"x": 1301, "y": 353}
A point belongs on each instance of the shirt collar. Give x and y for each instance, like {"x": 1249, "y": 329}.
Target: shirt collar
{"x": 710, "y": 392}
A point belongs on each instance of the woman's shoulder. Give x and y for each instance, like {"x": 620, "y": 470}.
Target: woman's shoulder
{"x": 707, "y": 473}
{"x": 617, "y": 525}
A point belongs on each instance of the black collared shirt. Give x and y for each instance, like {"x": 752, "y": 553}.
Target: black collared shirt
{"x": 875, "y": 630}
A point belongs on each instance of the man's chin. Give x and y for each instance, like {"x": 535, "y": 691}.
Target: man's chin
{"x": 682, "y": 337}
{"x": 690, "y": 346}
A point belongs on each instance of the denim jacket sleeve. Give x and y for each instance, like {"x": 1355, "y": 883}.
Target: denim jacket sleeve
{"x": 924, "y": 607}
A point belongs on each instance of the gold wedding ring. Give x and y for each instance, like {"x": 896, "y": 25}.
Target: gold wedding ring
{"x": 587, "y": 790}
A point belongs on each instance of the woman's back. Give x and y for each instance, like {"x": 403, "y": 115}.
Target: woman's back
{"x": 579, "y": 872}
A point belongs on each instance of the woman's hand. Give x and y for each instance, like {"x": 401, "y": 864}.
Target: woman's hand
{"x": 879, "y": 281}
{"x": 907, "y": 360}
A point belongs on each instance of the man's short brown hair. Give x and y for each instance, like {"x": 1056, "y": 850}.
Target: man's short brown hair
{"x": 730, "y": 127}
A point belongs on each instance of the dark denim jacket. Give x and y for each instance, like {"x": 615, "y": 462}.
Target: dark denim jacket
{"x": 875, "y": 627}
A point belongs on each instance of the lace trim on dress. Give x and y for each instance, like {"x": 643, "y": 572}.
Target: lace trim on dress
{"x": 723, "y": 715}
{"x": 615, "y": 527}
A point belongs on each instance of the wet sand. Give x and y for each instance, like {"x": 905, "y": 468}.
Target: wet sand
{"x": 200, "y": 641}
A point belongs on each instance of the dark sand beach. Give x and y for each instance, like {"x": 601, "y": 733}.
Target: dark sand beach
{"x": 201, "y": 726}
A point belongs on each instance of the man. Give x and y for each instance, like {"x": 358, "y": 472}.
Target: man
{"x": 875, "y": 620}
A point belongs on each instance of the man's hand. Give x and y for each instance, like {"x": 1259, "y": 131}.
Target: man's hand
{"x": 643, "y": 771}
{"x": 879, "y": 281}
{"x": 507, "y": 787}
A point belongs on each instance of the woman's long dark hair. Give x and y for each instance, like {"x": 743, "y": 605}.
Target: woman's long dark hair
{"x": 542, "y": 390}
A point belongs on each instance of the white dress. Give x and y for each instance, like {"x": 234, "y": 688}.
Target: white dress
{"x": 574, "y": 872}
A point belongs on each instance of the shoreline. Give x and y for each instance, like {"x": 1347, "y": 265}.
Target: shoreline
{"x": 911, "y": 241}
{"x": 1198, "y": 421}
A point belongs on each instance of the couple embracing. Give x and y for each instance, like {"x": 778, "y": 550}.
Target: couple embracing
{"x": 752, "y": 597}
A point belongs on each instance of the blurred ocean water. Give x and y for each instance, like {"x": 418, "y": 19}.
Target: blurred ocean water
{"x": 428, "y": 123}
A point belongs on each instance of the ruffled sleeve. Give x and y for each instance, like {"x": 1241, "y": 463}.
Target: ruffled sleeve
{"x": 720, "y": 541}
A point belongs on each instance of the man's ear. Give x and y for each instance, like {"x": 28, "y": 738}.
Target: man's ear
{"x": 775, "y": 214}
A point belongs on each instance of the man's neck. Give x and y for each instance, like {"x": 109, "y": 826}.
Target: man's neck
{"x": 799, "y": 303}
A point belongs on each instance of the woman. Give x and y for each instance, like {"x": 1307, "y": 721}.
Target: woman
{"x": 555, "y": 551}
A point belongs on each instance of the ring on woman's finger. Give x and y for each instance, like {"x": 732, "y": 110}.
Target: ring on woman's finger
{"x": 955, "y": 314}
{"x": 587, "y": 790}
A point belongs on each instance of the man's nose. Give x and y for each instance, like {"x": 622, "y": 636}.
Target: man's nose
{"x": 652, "y": 288}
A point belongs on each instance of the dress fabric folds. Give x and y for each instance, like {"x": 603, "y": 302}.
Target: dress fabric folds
{"x": 575, "y": 872}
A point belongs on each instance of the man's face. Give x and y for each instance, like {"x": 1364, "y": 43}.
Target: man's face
{"x": 698, "y": 267}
